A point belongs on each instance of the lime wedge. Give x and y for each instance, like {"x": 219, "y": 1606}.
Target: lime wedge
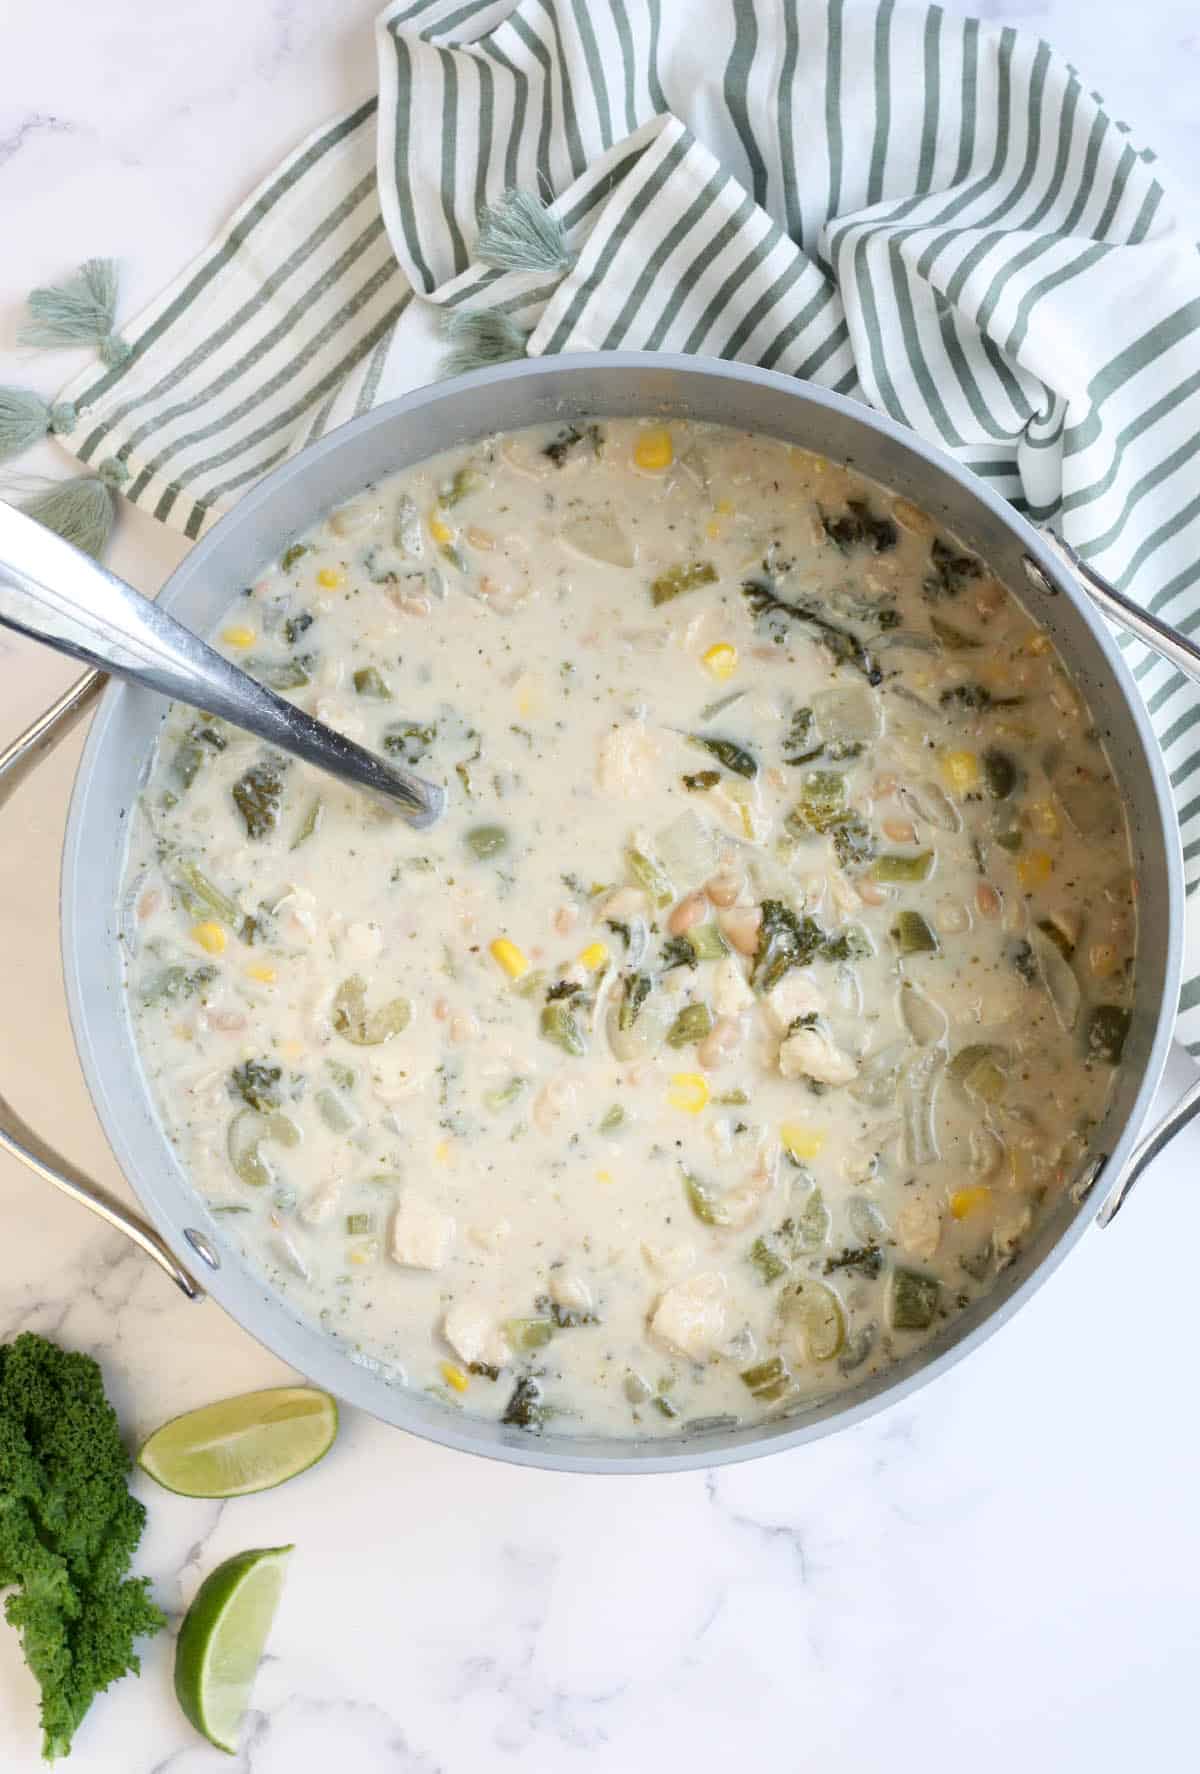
{"x": 251, "y": 1443}
{"x": 221, "y": 1642}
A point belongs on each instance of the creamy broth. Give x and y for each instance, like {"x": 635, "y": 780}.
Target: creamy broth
{"x": 753, "y": 998}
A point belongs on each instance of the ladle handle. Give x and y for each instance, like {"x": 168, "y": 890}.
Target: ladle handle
{"x": 58, "y": 595}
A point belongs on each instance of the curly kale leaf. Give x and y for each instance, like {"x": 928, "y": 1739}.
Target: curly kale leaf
{"x": 68, "y": 1532}
{"x": 785, "y": 940}
{"x": 258, "y": 793}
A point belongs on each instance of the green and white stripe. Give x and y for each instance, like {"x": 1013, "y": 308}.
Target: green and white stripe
{"x": 920, "y": 211}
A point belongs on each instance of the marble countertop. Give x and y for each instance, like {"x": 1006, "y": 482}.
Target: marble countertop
{"x": 1005, "y": 1569}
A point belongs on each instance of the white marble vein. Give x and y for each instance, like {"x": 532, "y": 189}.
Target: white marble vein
{"x": 1003, "y": 1571}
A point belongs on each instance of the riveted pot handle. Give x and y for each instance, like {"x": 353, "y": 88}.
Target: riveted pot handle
{"x": 16, "y": 1136}
{"x": 1147, "y": 1150}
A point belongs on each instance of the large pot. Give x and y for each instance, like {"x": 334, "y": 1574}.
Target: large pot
{"x": 393, "y": 438}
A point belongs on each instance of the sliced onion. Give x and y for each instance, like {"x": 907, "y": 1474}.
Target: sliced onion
{"x": 687, "y": 848}
{"x": 879, "y": 1076}
{"x": 927, "y": 801}
{"x": 248, "y": 1132}
{"x": 917, "y": 1102}
{"x": 866, "y": 1222}
{"x": 1059, "y": 977}
{"x": 599, "y": 538}
{"x": 649, "y": 1029}
{"x": 850, "y": 712}
{"x": 925, "y": 1021}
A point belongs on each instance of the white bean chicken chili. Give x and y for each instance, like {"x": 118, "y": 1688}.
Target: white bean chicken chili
{"x": 754, "y": 997}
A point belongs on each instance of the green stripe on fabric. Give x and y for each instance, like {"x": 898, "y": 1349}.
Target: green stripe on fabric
{"x": 833, "y": 104}
{"x": 1091, "y": 255}
{"x": 1146, "y": 214}
{"x": 658, "y": 97}
{"x": 520, "y": 79}
{"x": 645, "y": 195}
{"x": 1182, "y": 581}
{"x": 1134, "y": 358}
{"x": 333, "y": 378}
{"x": 735, "y": 87}
{"x": 968, "y": 101}
{"x": 403, "y": 142}
{"x": 933, "y": 98}
{"x": 487, "y": 119}
{"x": 458, "y": 245}
{"x": 1146, "y": 483}
{"x": 570, "y": 121}
{"x": 238, "y": 372}
{"x": 229, "y": 248}
{"x": 1144, "y": 421}
{"x": 798, "y": 324}
{"x": 914, "y": 351}
{"x": 541, "y": 55}
{"x": 1166, "y": 692}
{"x": 784, "y": 98}
{"x": 245, "y": 313}
{"x": 719, "y": 301}
{"x": 226, "y": 422}
{"x": 1150, "y": 544}
{"x": 762, "y": 306}
{"x": 628, "y": 61}
{"x": 679, "y": 231}
{"x": 985, "y": 182}
{"x": 597, "y": 85}
{"x": 820, "y": 357}
{"x": 1189, "y": 997}
{"x": 883, "y": 100}
{"x": 374, "y": 375}
{"x": 1183, "y": 724}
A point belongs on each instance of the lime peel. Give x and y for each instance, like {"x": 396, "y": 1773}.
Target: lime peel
{"x": 242, "y": 1445}
{"x": 221, "y": 1642}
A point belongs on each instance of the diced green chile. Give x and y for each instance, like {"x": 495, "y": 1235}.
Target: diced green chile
{"x": 767, "y": 1259}
{"x": 853, "y": 842}
{"x": 894, "y": 866}
{"x": 409, "y": 740}
{"x": 912, "y": 935}
{"x": 370, "y": 682}
{"x": 281, "y": 674}
{"x": 822, "y": 803}
{"x": 334, "y": 1111}
{"x": 913, "y": 1299}
{"x": 650, "y": 877}
{"x": 200, "y": 896}
{"x": 704, "y": 1201}
{"x": 487, "y": 840}
{"x": 1105, "y": 1033}
{"x": 676, "y": 580}
{"x": 309, "y": 824}
{"x": 528, "y": 1333}
{"x": 558, "y": 1025}
{"x": 692, "y": 1024}
{"x": 364, "y": 1028}
{"x": 768, "y": 1380}
{"x": 170, "y": 984}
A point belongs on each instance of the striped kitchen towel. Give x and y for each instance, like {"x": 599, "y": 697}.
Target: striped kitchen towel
{"x": 917, "y": 210}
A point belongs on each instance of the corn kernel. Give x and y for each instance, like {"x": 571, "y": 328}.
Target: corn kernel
{"x": 1038, "y": 643}
{"x": 441, "y": 1152}
{"x": 439, "y": 529}
{"x": 594, "y": 956}
{"x": 528, "y": 699}
{"x": 712, "y": 530}
{"x": 510, "y": 957}
{"x": 654, "y": 450}
{"x": 688, "y": 1091}
{"x": 266, "y": 976}
{"x": 454, "y": 1376}
{"x": 1102, "y": 959}
{"x": 605, "y": 1176}
{"x": 210, "y": 936}
{"x": 802, "y": 1143}
{"x": 968, "y": 1201}
{"x": 721, "y": 660}
{"x": 359, "y": 1257}
{"x": 331, "y": 578}
{"x": 961, "y": 771}
{"x": 238, "y": 636}
{"x": 725, "y": 507}
{"x": 1033, "y": 869}
{"x": 1044, "y": 819}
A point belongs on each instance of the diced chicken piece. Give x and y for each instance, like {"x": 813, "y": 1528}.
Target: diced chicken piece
{"x": 474, "y": 1336}
{"x": 810, "y": 1054}
{"x": 691, "y": 1315}
{"x": 795, "y": 995}
{"x": 421, "y": 1236}
{"x": 321, "y": 1203}
{"x": 670, "y": 1262}
{"x": 919, "y": 1227}
{"x": 731, "y": 992}
{"x": 625, "y": 764}
{"x": 570, "y": 1292}
{"x": 492, "y": 1235}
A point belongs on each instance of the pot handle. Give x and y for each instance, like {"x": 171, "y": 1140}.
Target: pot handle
{"x": 16, "y": 1136}
{"x": 1147, "y": 1150}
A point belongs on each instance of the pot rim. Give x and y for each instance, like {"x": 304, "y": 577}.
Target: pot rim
{"x": 327, "y": 1363}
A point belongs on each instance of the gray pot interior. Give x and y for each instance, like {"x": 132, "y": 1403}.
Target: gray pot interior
{"x": 393, "y": 438}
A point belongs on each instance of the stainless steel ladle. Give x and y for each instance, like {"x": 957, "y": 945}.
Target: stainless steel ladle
{"x": 58, "y": 595}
